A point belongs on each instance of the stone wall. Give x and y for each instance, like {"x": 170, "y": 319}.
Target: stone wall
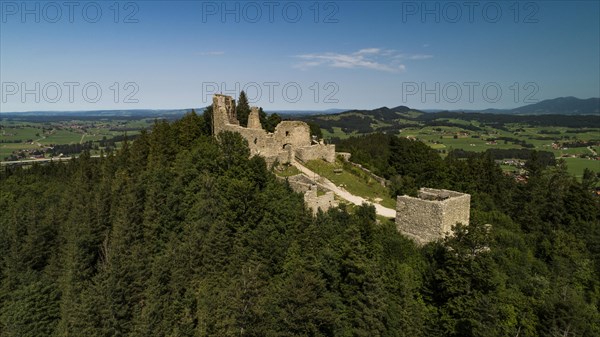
{"x": 223, "y": 112}
{"x": 432, "y": 214}
{"x": 294, "y": 133}
{"x": 254, "y": 119}
{"x": 345, "y": 155}
{"x": 283, "y": 145}
{"x": 382, "y": 181}
{"x": 301, "y": 183}
{"x": 316, "y": 202}
{"x": 325, "y": 152}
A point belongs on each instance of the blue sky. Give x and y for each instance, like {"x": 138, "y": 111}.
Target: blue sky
{"x": 296, "y": 55}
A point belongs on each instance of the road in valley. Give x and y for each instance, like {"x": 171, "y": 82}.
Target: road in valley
{"x": 41, "y": 160}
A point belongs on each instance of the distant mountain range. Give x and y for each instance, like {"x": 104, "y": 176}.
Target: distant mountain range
{"x": 145, "y": 113}
{"x": 100, "y": 113}
{"x": 562, "y": 106}
{"x": 391, "y": 120}
{"x": 306, "y": 112}
{"x": 557, "y": 106}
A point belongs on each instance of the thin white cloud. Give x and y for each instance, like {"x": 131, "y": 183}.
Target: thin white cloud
{"x": 211, "y": 53}
{"x": 368, "y": 58}
{"x": 368, "y": 51}
{"x": 413, "y": 57}
{"x": 420, "y": 57}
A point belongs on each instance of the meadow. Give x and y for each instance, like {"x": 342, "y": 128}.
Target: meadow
{"x": 353, "y": 180}
{"x": 23, "y": 138}
{"x": 447, "y": 134}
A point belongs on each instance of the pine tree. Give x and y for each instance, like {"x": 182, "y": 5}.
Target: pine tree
{"x": 243, "y": 109}
{"x": 207, "y": 117}
{"x": 304, "y": 306}
{"x": 272, "y": 122}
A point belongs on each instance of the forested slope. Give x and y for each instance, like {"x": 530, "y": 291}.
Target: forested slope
{"x": 180, "y": 234}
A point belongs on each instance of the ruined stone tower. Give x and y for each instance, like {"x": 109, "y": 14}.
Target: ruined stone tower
{"x": 223, "y": 113}
{"x": 291, "y": 140}
{"x": 432, "y": 214}
{"x": 254, "y": 119}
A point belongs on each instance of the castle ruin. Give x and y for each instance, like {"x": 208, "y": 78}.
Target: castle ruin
{"x": 291, "y": 139}
{"x": 302, "y": 184}
{"x": 431, "y": 215}
{"x": 426, "y": 218}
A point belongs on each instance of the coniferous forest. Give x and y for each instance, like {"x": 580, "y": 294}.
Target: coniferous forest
{"x": 179, "y": 233}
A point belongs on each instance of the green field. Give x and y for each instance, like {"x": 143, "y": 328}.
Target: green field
{"x": 353, "y": 180}
{"x": 18, "y": 136}
{"x": 62, "y": 137}
{"x": 8, "y": 149}
{"x": 23, "y": 133}
{"x": 286, "y": 171}
{"x": 576, "y": 166}
{"x": 445, "y": 141}
{"x": 338, "y": 133}
{"x": 470, "y": 134}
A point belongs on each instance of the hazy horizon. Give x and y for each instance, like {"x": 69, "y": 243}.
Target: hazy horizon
{"x": 266, "y": 109}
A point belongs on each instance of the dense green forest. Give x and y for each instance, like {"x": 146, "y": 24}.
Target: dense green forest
{"x": 181, "y": 234}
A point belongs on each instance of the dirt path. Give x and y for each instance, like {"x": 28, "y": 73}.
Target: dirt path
{"x": 342, "y": 193}
{"x": 37, "y": 141}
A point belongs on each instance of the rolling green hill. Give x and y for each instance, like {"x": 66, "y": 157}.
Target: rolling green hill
{"x": 573, "y": 137}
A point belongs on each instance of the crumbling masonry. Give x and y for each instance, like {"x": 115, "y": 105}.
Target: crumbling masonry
{"x": 303, "y": 184}
{"x": 432, "y": 214}
{"x": 426, "y": 218}
{"x": 291, "y": 139}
